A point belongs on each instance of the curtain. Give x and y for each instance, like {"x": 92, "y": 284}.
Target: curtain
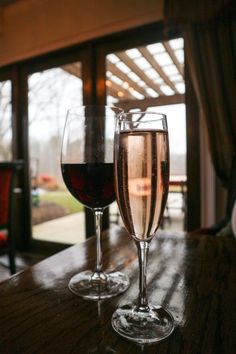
{"x": 209, "y": 30}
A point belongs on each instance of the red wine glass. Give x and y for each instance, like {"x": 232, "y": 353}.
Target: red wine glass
{"x": 141, "y": 182}
{"x": 87, "y": 170}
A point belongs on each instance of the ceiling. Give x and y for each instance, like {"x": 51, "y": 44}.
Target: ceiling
{"x": 6, "y": 2}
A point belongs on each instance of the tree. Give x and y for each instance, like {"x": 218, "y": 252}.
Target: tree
{"x": 51, "y": 93}
{"x": 5, "y": 120}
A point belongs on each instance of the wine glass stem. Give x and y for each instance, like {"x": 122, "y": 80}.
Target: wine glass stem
{"x": 98, "y": 227}
{"x": 143, "y": 248}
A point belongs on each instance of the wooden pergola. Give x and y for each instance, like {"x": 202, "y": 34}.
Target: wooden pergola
{"x": 144, "y": 77}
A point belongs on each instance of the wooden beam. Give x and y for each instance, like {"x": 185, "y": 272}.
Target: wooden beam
{"x": 152, "y": 102}
{"x": 21, "y": 152}
{"x": 111, "y": 93}
{"x": 174, "y": 58}
{"x": 158, "y": 68}
{"x": 114, "y": 88}
{"x": 117, "y": 72}
{"x": 73, "y": 69}
{"x": 135, "y": 68}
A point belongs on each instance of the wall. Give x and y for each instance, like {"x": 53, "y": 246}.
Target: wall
{"x": 33, "y": 27}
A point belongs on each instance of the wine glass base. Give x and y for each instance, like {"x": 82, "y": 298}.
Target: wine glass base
{"x": 143, "y": 327}
{"x": 83, "y": 285}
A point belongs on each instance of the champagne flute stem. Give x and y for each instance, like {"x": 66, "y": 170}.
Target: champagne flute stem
{"x": 98, "y": 226}
{"x": 143, "y": 248}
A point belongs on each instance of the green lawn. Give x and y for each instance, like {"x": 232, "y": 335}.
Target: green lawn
{"x": 64, "y": 199}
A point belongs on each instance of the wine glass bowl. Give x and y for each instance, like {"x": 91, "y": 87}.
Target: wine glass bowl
{"x": 87, "y": 170}
{"x": 141, "y": 160}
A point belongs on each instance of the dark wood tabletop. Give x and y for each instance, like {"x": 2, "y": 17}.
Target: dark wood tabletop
{"x": 194, "y": 277}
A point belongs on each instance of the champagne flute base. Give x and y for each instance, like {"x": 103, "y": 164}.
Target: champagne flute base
{"x": 108, "y": 285}
{"x": 143, "y": 327}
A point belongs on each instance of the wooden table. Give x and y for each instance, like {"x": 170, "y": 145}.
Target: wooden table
{"x": 192, "y": 276}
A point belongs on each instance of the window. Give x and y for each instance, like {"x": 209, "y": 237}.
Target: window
{"x": 5, "y": 121}
{"x": 51, "y": 93}
{"x": 150, "y": 77}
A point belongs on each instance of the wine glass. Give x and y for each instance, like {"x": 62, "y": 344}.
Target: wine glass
{"x": 87, "y": 170}
{"x": 141, "y": 160}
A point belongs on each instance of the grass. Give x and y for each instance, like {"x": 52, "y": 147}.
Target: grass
{"x": 64, "y": 199}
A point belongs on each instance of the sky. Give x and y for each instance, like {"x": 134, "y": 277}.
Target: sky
{"x": 176, "y": 118}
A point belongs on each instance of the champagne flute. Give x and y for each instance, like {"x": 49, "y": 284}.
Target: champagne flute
{"x": 141, "y": 159}
{"x": 87, "y": 170}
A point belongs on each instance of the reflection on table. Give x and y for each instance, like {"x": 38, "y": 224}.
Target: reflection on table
{"x": 194, "y": 277}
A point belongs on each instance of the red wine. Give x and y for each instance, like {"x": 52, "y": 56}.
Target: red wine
{"x": 142, "y": 179}
{"x": 90, "y": 183}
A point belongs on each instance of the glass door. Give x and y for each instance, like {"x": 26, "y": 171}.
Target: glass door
{"x": 151, "y": 78}
{"x": 56, "y": 215}
{"x": 5, "y": 120}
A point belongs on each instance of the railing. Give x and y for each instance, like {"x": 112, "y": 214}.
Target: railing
{"x": 178, "y": 187}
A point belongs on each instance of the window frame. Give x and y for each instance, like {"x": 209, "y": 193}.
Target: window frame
{"x": 92, "y": 55}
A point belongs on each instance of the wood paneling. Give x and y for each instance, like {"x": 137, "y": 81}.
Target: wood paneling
{"x": 30, "y": 28}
